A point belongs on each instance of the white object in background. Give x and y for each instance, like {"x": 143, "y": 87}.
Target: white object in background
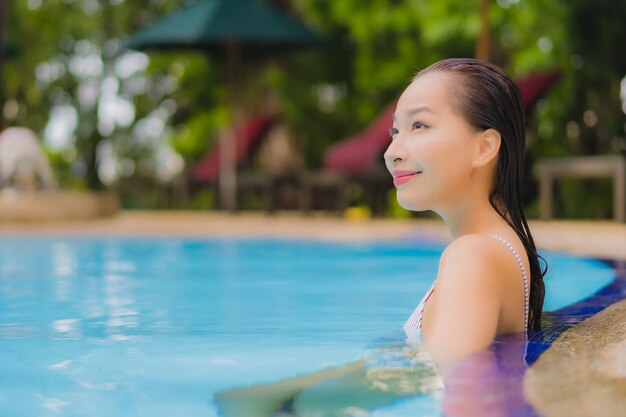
{"x": 22, "y": 161}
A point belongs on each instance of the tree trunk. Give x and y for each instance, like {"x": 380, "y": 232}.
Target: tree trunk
{"x": 484, "y": 38}
{"x": 91, "y": 161}
{"x": 4, "y": 20}
{"x": 94, "y": 138}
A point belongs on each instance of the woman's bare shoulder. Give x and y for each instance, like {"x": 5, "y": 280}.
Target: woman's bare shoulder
{"x": 476, "y": 256}
{"x": 469, "y": 297}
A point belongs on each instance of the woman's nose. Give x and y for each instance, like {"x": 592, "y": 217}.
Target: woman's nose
{"x": 394, "y": 153}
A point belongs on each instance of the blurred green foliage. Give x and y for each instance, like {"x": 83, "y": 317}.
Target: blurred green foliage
{"x": 373, "y": 47}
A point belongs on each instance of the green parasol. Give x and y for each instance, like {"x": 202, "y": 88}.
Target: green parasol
{"x": 227, "y": 29}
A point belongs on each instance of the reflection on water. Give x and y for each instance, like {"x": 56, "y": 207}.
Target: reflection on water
{"x": 67, "y": 327}
{"x": 487, "y": 383}
{"x": 105, "y": 292}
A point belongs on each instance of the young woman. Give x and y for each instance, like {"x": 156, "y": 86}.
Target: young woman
{"x": 458, "y": 143}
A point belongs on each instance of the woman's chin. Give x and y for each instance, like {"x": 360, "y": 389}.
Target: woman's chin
{"x": 412, "y": 205}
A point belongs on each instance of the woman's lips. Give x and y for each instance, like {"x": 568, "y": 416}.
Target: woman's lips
{"x": 404, "y": 178}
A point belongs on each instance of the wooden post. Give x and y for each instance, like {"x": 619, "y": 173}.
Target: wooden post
{"x": 228, "y": 145}
{"x": 619, "y": 191}
{"x": 4, "y": 20}
{"x": 545, "y": 196}
{"x": 484, "y": 38}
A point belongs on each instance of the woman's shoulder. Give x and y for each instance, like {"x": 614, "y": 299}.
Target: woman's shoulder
{"x": 481, "y": 246}
{"x": 469, "y": 294}
{"x": 474, "y": 257}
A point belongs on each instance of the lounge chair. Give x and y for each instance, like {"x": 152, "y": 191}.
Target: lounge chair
{"x": 248, "y": 137}
{"x": 357, "y": 160}
{"x": 252, "y": 136}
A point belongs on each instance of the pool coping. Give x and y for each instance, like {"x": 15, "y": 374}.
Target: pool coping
{"x": 599, "y": 239}
{"x": 584, "y": 352}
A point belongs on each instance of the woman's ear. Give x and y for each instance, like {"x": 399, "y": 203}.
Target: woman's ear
{"x": 487, "y": 147}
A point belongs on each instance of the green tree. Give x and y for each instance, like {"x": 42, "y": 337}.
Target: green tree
{"x": 324, "y": 94}
{"x": 79, "y": 68}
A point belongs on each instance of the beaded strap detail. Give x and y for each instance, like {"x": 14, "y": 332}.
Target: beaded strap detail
{"x": 524, "y": 276}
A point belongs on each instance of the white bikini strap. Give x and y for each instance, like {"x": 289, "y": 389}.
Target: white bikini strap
{"x": 524, "y": 275}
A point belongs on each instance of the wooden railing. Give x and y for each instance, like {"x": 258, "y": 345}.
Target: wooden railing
{"x": 606, "y": 166}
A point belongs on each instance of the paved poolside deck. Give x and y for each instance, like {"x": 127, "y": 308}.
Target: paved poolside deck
{"x": 598, "y": 239}
{"x": 597, "y": 346}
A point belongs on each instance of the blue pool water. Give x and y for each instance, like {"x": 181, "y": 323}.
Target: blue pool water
{"x": 154, "y": 327}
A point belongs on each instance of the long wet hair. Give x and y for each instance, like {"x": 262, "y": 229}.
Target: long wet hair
{"x": 490, "y": 99}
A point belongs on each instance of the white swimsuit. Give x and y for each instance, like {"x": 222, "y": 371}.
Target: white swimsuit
{"x": 413, "y": 326}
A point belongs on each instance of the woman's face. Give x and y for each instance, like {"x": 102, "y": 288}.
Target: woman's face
{"x": 430, "y": 156}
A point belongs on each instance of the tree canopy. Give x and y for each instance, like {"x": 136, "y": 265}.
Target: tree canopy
{"x": 107, "y": 114}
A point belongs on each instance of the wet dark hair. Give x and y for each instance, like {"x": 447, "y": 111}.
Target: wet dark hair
{"x": 490, "y": 99}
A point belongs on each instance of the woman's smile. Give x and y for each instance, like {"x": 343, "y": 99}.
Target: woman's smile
{"x": 402, "y": 177}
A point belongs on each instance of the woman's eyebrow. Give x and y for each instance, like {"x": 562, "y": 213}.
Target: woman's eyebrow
{"x": 414, "y": 111}
{"x": 420, "y": 109}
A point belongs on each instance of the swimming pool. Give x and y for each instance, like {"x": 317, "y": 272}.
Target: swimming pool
{"x": 156, "y": 326}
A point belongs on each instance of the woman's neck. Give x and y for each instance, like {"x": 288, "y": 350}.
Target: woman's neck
{"x": 479, "y": 217}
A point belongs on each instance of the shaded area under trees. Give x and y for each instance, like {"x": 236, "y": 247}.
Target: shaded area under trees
{"x": 178, "y": 106}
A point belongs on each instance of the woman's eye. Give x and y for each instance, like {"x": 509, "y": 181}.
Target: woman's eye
{"x": 418, "y": 125}
{"x": 393, "y": 131}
